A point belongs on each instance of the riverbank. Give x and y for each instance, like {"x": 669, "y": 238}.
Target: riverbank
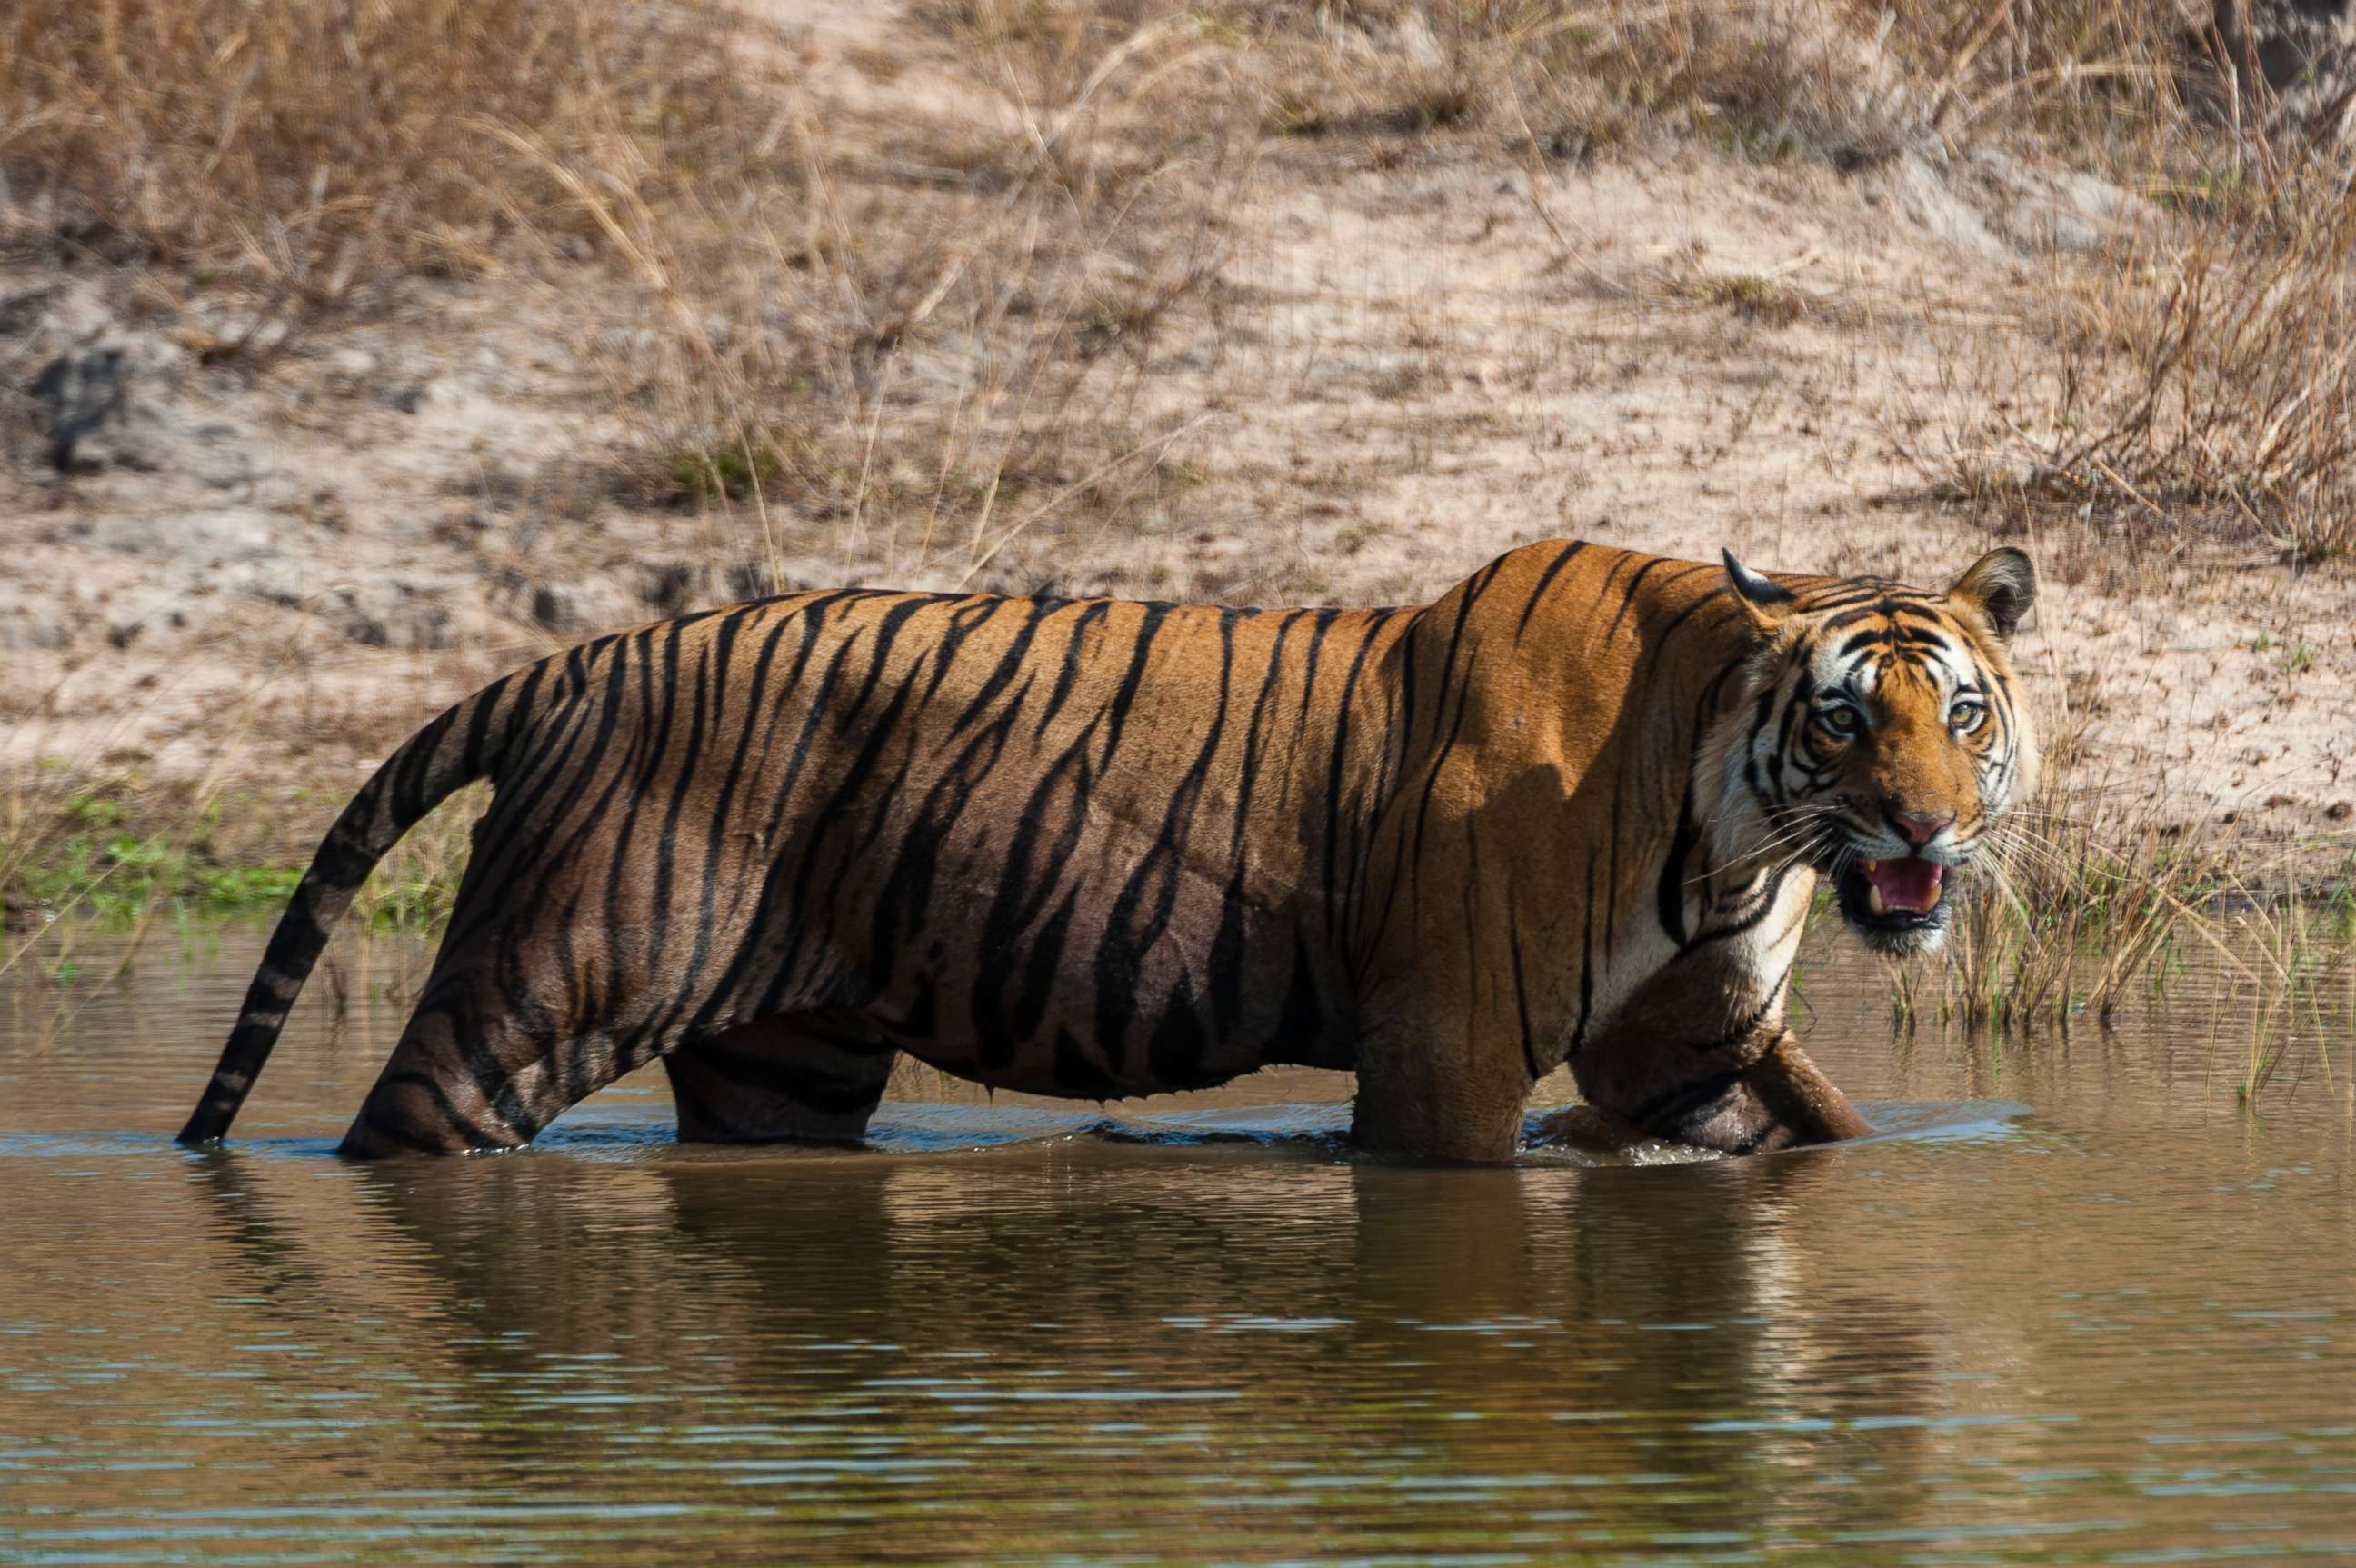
{"x": 1248, "y": 303}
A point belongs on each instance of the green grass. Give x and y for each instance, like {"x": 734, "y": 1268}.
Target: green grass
{"x": 111, "y": 858}
{"x": 735, "y": 471}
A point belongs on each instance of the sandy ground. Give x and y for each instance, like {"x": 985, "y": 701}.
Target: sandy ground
{"x": 1401, "y": 365}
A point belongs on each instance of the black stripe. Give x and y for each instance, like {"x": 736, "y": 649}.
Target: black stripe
{"x": 1521, "y": 989}
{"x": 1546, "y": 579}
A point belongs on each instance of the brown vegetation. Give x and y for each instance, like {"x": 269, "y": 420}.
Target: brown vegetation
{"x": 310, "y": 155}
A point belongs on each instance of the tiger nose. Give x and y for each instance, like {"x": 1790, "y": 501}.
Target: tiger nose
{"x": 1920, "y": 831}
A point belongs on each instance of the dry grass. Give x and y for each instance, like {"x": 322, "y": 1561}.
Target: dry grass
{"x": 939, "y": 319}
{"x": 2197, "y": 384}
{"x": 1569, "y": 80}
{"x": 2100, "y": 80}
{"x": 940, "y": 322}
{"x": 936, "y": 329}
{"x": 312, "y": 156}
{"x": 2205, "y": 382}
{"x": 933, "y": 327}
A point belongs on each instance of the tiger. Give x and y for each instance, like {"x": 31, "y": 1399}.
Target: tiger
{"x": 1571, "y": 813}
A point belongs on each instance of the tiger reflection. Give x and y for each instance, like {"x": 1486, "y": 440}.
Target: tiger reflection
{"x": 1702, "y": 1321}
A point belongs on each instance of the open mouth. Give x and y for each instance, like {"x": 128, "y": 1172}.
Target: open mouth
{"x": 1900, "y": 895}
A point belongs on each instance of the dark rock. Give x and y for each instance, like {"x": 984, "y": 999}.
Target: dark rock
{"x": 2293, "y": 62}
{"x": 20, "y": 313}
{"x": 78, "y": 393}
{"x": 754, "y": 580}
{"x": 671, "y": 587}
{"x": 2280, "y": 41}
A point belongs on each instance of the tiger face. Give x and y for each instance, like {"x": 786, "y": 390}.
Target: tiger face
{"x": 1885, "y": 741}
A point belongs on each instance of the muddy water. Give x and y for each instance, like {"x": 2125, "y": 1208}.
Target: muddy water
{"x": 2076, "y": 1304}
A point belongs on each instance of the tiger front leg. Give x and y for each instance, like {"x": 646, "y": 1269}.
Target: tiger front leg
{"x": 1757, "y": 1095}
{"x": 1806, "y": 1106}
{"x": 1439, "y": 1081}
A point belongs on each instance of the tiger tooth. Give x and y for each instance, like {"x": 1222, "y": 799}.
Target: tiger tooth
{"x": 1873, "y": 899}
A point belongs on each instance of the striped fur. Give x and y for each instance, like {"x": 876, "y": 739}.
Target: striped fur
{"x": 1096, "y": 849}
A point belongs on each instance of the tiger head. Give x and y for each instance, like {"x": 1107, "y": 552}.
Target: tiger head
{"x": 1883, "y": 740}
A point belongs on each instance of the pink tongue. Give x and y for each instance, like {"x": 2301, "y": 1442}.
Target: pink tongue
{"x": 1909, "y": 883}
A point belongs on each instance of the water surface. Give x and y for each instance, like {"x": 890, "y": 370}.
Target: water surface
{"x": 2075, "y": 1304}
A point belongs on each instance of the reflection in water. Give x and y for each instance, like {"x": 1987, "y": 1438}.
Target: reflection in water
{"x": 2114, "y": 1328}
{"x": 1384, "y": 1346}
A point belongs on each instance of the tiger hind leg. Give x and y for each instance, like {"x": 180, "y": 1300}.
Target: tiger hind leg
{"x": 516, "y": 1023}
{"x": 803, "y": 1080}
{"x": 494, "y": 1052}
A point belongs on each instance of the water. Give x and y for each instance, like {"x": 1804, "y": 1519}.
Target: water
{"x": 2076, "y": 1304}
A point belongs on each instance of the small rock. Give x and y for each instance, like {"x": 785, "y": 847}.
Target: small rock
{"x": 78, "y": 393}
{"x": 754, "y": 580}
{"x": 432, "y": 630}
{"x": 225, "y": 468}
{"x": 2277, "y": 802}
{"x": 324, "y": 509}
{"x": 74, "y": 312}
{"x": 2341, "y": 810}
{"x": 669, "y": 587}
{"x": 20, "y": 313}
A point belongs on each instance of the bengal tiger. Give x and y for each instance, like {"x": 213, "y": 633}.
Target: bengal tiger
{"x": 1574, "y": 810}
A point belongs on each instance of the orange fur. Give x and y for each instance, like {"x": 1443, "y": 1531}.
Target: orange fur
{"x": 1099, "y": 848}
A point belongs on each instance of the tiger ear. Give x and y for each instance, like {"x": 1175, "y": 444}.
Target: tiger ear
{"x": 2001, "y": 586}
{"x": 1764, "y": 601}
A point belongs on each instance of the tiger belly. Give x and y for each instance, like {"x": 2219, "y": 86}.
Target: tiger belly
{"x": 1089, "y": 990}
{"x": 1061, "y": 1069}
{"x": 1164, "y": 1036}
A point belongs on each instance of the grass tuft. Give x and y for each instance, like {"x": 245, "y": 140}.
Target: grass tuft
{"x": 311, "y": 156}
